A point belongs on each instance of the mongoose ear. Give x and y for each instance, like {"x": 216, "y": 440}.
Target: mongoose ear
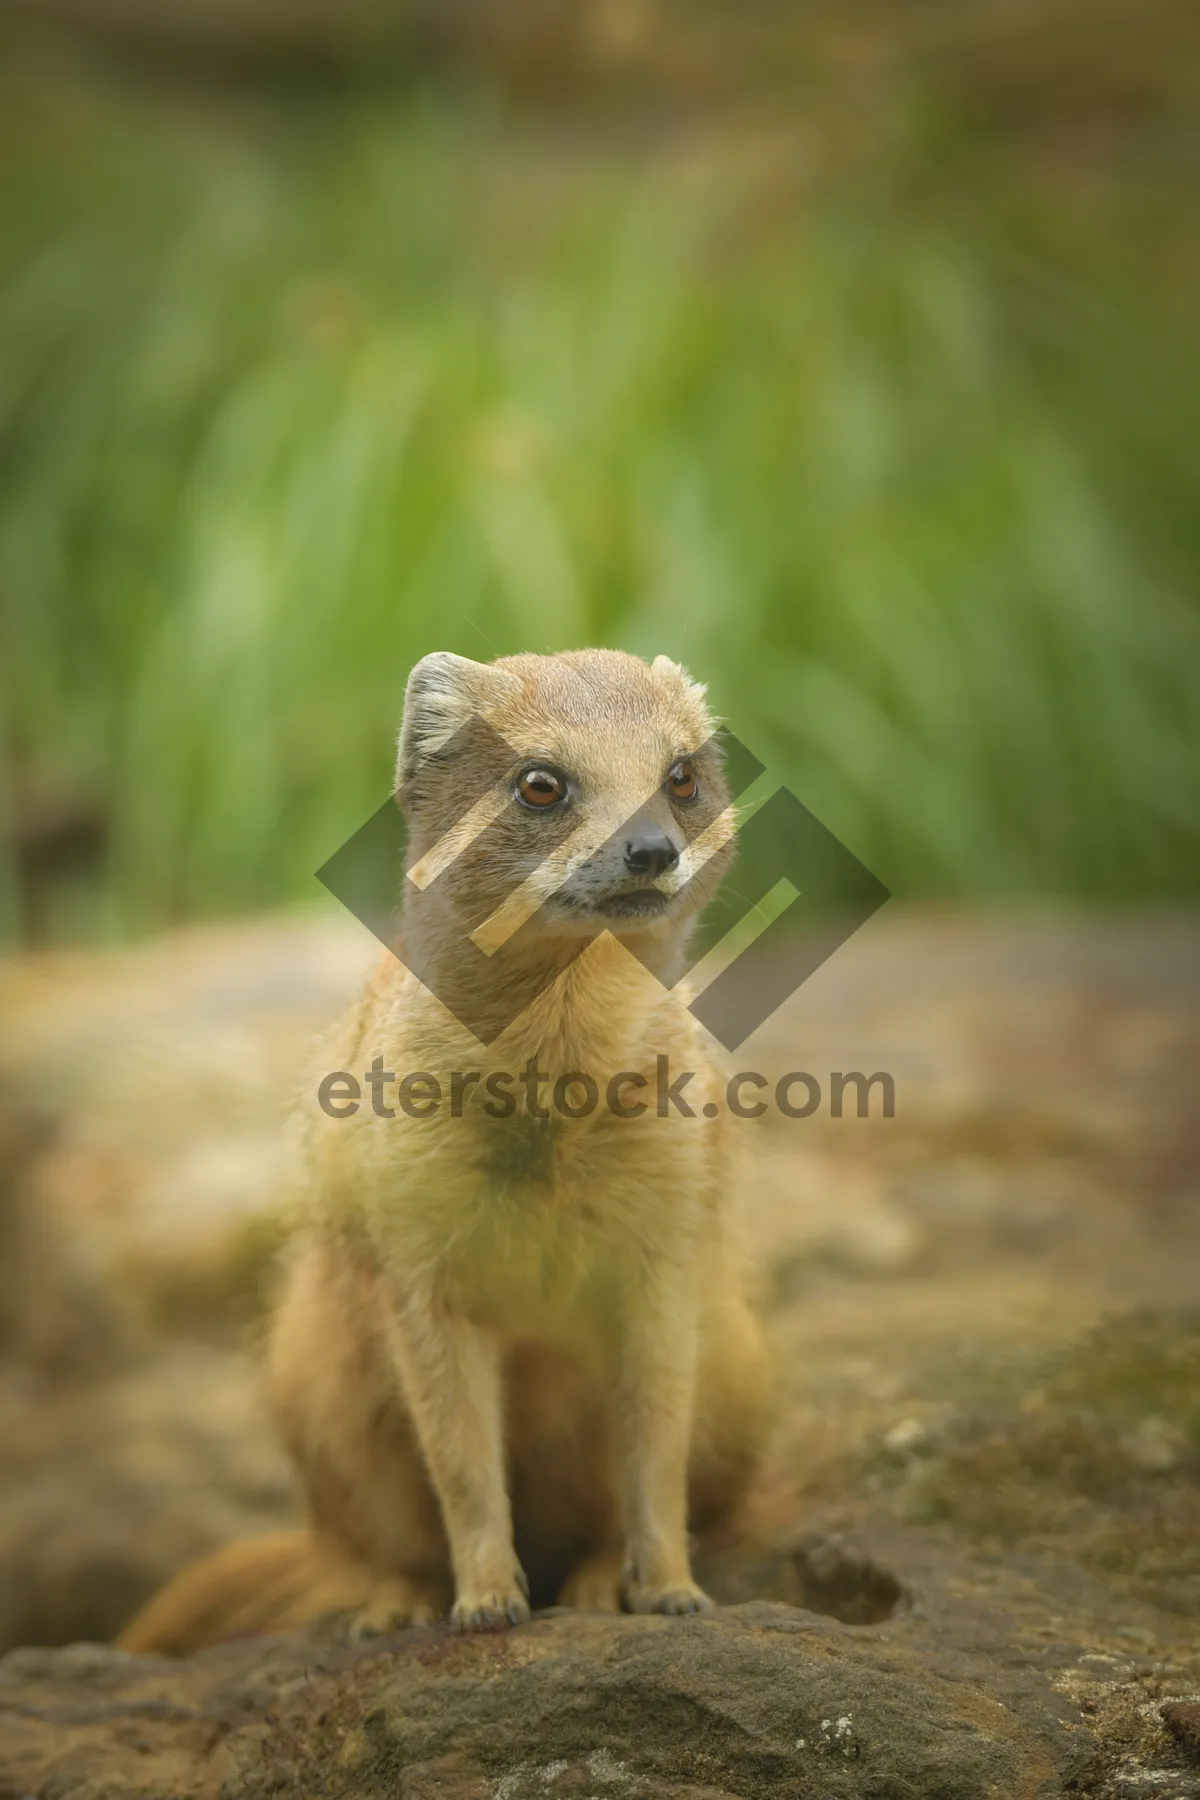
{"x": 443, "y": 692}
{"x": 663, "y": 666}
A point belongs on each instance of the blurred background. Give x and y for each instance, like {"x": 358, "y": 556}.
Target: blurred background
{"x": 846, "y": 352}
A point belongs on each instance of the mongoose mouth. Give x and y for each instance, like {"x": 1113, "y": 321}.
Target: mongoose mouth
{"x": 641, "y": 903}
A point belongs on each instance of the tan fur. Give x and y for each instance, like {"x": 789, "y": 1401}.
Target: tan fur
{"x": 512, "y": 1357}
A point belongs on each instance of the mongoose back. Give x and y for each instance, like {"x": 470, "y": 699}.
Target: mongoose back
{"x": 512, "y": 1358}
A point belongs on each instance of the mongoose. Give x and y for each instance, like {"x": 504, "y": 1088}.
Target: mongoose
{"x": 513, "y": 1358}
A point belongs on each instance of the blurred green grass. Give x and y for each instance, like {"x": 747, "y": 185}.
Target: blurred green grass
{"x": 900, "y": 460}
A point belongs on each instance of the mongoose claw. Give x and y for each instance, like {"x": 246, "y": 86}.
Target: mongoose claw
{"x": 685, "y": 1598}
{"x": 489, "y": 1612}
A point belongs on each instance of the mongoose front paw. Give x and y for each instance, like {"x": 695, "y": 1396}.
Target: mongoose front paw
{"x": 684, "y": 1597}
{"x": 492, "y": 1610}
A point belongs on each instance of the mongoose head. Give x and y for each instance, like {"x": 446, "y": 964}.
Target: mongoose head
{"x": 570, "y": 794}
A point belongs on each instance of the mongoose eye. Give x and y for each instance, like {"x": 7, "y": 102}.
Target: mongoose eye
{"x": 681, "y": 783}
{"x": 541, "y": 788}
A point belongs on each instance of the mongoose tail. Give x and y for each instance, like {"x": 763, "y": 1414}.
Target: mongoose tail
{"x": 247, "y": 1589}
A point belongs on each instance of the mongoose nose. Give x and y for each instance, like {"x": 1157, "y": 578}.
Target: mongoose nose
{"x": 649, "y": 851}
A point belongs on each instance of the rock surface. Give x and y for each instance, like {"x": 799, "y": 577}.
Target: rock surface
{"x": 757, "y": 1700}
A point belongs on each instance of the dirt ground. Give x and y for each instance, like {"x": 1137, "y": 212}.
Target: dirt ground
{"x": 972, "y": 1562}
